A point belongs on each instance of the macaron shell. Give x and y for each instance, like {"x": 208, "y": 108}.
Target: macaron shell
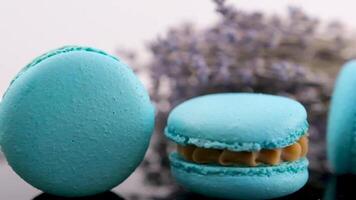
{"x": 341, "y": 131}
{"x": 237, "y": 121}
{"x": 76, "y": 123}
{"x": 243, "y": 183}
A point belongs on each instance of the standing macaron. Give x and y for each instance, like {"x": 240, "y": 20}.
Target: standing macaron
{"x": 239, "y": 145}
{"x": 341, "y": 133}
{"x": 75, "y": 122}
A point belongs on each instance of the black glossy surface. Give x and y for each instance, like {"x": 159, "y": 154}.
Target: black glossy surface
{"x": 320, "y": 186}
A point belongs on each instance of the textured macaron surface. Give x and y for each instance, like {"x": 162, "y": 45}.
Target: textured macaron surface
{"x": 237, "y": 121}
{"x": 75, "y": 122}
{"x": 341, "y": 132}
{"x": 263, "y": 182}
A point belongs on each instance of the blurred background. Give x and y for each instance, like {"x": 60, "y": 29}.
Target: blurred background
{"x": 181, "y": 49}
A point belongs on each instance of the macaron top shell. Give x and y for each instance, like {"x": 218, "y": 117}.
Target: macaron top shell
{"x": 75, "y": 122}
{"x": 341, "y": 131}
{"x": 237, "y": 121}
{"x": 56, "y": 52}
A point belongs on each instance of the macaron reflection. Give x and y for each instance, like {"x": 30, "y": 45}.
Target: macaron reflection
{"x": 103, "y": 196}
{"x": 340, "y": 187}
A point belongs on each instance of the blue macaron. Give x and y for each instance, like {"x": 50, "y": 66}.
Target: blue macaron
{"x": 239, "y": 145}
{"x": 341, "y": 131}
{"x": 75, "y": 122}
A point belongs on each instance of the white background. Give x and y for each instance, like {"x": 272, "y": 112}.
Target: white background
{"x": 30, "y": 28}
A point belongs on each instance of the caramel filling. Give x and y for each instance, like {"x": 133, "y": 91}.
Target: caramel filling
{"x": 227, "y": 157}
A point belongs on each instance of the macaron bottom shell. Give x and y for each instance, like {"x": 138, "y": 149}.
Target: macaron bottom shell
{"x": 240, "y": 182}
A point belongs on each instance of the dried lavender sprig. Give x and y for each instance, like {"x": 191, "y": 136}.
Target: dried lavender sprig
{"x": 248, "y": 52}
